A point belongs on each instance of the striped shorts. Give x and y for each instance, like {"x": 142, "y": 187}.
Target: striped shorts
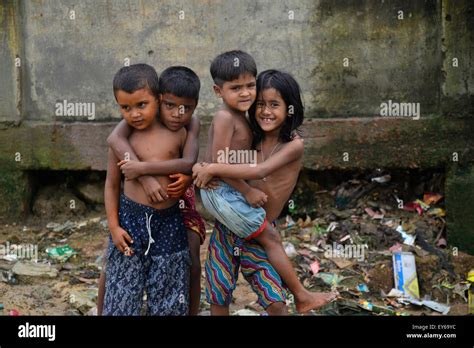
{"x": 226, "y": 254}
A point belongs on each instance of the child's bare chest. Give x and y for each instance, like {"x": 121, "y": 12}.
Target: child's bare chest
{"x": 242, "y": 136}
{"x": 278, "y": 186}
{"x": 156, "y": 146}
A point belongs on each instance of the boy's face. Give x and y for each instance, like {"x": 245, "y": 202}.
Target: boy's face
{"x": 271, "y": 110}
{"x": 238, "y": 94}
{"x": 139, "y": 108}
{"x": 176, "y": 112}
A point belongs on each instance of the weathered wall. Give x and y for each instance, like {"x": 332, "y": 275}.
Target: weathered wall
{"x": 10, "y": 72}
{"x": 458, "y": 58}
{"x": 388, "y": 58}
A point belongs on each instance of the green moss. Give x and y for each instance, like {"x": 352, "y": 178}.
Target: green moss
{"x": 15, "y": 193}
{"x": 460, "y": 208}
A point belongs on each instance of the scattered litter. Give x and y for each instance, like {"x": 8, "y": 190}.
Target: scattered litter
{"x": 397, "y": 247}
{"x": 7, "y": 277}
{"x": 332, "y": 226}
{"x": 438, "y": 307}
{"x": 412, "y": 206}
{"x": 382, "y": 179}
{"x": 60, "y": 254}
{"x": 331, "y": 279}
{"x": 431, "y": 198}
{"x": 343, "y": 239}
{"x": 13, "y": 313}
{"x": 376, "y": 309}
{"x": 289, "y": 222}
{"x": 306, "y": 223}
{"x": 315, "y": 267}
{"x": 395, "y": 293}
{"x": 341, "y": 262}
{"x": 439, "y": 212}
{"x": 366, "y": 305}
{"x": 362, "y": 288}
{"x": 442, "y": 243}
{"x": 373, "y": 214}
{"x": 407, "y": 238}
{"x": 289, "y": 249}
{"x": 404, "y": 271}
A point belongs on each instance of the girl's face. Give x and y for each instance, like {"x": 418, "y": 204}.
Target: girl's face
{"x": 271, "y": 110}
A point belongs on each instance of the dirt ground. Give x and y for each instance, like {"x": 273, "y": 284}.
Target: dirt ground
{"x": 35, "y": 295}
{"x": 73, "y": 291}
{"x": 355, "y": 211}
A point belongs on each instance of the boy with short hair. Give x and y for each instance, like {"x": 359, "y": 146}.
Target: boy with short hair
{"x": 148, "y": 248}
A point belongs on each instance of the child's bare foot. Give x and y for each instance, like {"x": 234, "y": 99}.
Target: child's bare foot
{"x": 314, "y": 300}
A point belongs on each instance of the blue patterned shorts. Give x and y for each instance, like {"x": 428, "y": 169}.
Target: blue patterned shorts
{"x": 160, "y": 264}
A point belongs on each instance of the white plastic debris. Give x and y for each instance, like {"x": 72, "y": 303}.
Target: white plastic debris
{"x": 407, "y": 238}
{"x": 395, "y": 293}
{"x": 289, "y": 249}
{"x": 382, "y": 179}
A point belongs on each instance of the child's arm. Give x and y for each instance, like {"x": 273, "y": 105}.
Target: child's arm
{"x": 133, "y": 169}
{"x": 118, "y": 142}
{"x": 120, "y": 237}
{"x": 223, "y": 129}
{"x": 290, "y": 152}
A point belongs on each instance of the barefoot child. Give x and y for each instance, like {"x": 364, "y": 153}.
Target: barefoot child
{"x": 148, "y": 248}
{"x": 276, "y": 117}
{"x": 174, "y": 84}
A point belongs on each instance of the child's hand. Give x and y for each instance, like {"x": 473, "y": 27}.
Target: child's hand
{"x": 153, "y": 189}
{"x": 213, "y": 184}
{"x": 255, "y": 197}
{"x": 130, "y": 169}
{"x": 121, "y": 240}
{"x": 178, "y": 188}
{"x": 201, "y": 174}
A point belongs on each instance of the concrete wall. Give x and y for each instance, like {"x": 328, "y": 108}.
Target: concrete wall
{"x": 74, "y": 55}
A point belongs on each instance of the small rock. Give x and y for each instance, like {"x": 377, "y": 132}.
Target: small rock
{"x": 34, "y": 269}
{"x": 91, "y": 192}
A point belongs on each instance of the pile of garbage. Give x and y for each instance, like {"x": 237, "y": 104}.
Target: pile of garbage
{"x": 378, "y": 241}
{"x": 383, "y": 255}
{"x": 72, "y": 274}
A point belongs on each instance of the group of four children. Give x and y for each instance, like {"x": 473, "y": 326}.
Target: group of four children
{"x": 155, "y": 231}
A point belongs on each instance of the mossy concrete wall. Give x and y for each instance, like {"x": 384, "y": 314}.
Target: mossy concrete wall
{"x": 349, "y": 57}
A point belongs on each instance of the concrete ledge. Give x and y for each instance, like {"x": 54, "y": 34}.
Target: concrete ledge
{"x": 353, "y": 143}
